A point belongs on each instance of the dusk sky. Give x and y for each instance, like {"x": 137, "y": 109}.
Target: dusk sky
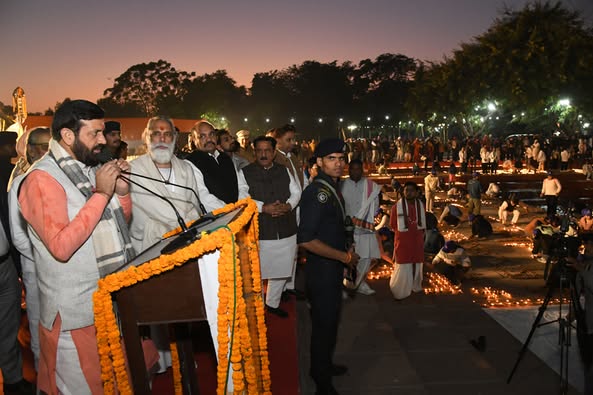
{"x": 75, "y": 48}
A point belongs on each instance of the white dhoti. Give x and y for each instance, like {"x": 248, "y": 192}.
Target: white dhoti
{"x": 277, "y": 263}
{"x": 405, "y": 279}
{"x": 367, "y": 247}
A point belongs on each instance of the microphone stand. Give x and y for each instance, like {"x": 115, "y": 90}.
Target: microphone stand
{"x": 167, "y": 182}
{"x": 179, "y": 219}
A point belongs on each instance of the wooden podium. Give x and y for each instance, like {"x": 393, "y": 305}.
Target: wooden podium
{"x": 173, "y": 297}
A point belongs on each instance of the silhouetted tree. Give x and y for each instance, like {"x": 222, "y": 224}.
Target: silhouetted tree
{"x": 148, "y": 85}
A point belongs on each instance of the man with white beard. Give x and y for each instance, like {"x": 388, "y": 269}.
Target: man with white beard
{"x": 151, "y": 216}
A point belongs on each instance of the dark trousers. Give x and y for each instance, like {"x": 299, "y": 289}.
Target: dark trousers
{"x": 542, "y": 244}
{"x": 11, "y": 361}
{"x": 453, "y": 273}
{"x": 551, "y": 204}
{"x": 324, "y": 288}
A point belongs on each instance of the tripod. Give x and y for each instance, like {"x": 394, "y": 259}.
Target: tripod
{"x": 558, "y": 277}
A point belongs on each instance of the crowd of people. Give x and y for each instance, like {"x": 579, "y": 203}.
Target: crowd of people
{"x": 75, "y": 210}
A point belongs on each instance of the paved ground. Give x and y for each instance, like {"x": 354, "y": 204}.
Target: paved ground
{"x": 421, "y": 345}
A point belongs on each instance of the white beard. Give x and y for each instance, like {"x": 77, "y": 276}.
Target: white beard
{"x": 159, "y": 155}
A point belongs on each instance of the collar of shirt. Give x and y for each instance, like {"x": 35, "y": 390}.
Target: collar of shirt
{"x": 215, "y": 154}
{"x": 287, "y": 154}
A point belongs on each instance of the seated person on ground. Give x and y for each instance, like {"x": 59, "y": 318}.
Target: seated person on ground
{"x": 452, "y": 262}
{"x": 382, "y": 217}
{"x": 509, "y": 206}
{"x": 480, "y": 226}
{"x": 433, "y": 239}
{"x": 493, "y": 190}
{"x": 451, "y": 215}
{"x": 386, "y": 244}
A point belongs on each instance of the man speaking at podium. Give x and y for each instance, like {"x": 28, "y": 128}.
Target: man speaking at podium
{"x": 76, "y": 217}
{"x": 152, "y": 217}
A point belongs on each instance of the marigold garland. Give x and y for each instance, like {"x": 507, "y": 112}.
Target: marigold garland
{"x": 232, "y": 315}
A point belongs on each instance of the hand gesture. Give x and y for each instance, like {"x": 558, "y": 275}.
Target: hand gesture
{"x": 354, "y": 258}
{"x": 121, "y": 186}
{"x": 106, "y": 178}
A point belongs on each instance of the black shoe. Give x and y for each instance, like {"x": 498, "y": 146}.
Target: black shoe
{"x": 285, "y": 296}
{"x": 277, "y": 311}
{"x": 339, "y": 370}
{"x": 479, "y": 344}
{"x": 22, "y": 387}
{"x": 300, "y": 295}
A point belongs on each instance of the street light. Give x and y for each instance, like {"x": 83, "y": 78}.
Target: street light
{"x": 267, "y": 120}
{"x": 320, "y": 120}
{"x": 245, "y": 119}
{"x": 368, "y": 119}
{"x": 291, "y": 120}
{"x": 387, "y": 117}
{"x": 341, "y": 120}
{"x": 491, "y": 107}
{"x": 564, "y": 102}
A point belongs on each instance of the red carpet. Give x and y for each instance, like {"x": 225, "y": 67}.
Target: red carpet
{"x": 282, "y": 347}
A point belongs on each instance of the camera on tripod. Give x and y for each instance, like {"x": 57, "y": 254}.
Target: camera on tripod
{"x": 564, "y": 245}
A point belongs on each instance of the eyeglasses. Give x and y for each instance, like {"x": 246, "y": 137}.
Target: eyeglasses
{"x": 204, "y": 136}
{"x": 157, "y": 135}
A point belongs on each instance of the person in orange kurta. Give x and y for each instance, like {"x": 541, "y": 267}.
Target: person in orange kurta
{"x": 76, "y": 217}
{"x": 408, "y": 220}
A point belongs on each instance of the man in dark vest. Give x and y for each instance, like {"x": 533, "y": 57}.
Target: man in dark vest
{"x": 218, "y": 181}
{"x": 276, "y": 194}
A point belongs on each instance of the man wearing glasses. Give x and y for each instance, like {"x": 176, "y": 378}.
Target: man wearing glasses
{"x": 218, "y": 182}
{"x": 36, "y": 146}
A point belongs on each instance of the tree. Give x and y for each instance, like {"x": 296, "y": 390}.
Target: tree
{"x": 382, "y": 86}
{"x": 525, "y": 62}
{"x": 214, "y": 93}
{"x": 149, "y": 85}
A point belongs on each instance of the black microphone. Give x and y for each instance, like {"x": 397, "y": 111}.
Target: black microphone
{"x": 104, "y": 156}
{"x": 167, "y": 182}
{"x": 179, "y": 219}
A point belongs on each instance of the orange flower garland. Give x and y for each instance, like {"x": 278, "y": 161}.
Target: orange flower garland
{"x": 176, "y": 368}
{"x": 231, "y": 308}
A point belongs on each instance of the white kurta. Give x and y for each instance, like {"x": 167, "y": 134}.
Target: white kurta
{"x": 151, "y": 216}
{"x": 355, "y": 195}
{"x": 277, "y": 257}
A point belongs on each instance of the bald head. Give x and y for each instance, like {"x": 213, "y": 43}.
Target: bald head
{"x": 37, "y": 144}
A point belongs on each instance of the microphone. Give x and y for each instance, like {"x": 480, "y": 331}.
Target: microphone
{"x": 186, "y": 236}
{"x": 104, "y": 156}
{"x": 179, "y": 219}
{"x": 167, "y": 182}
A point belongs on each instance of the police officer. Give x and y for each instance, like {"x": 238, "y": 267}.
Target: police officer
{"x": 321, "y": 233}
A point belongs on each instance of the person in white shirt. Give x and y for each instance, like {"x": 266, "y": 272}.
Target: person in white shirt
{"x": 551, "y": 188}
{"x": 431, "y": 183}
{"x": 361, "y": 197}
{"x": 509, "y": 206}
{"x": 564, "y": 157}
{"x": 452, "y": 261}
{"x": 541, "y": 160}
